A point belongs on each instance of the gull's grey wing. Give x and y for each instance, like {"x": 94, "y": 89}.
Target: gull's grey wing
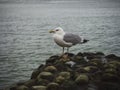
{"x": 72, "y": 38}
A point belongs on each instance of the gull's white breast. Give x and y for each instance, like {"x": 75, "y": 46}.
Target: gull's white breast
{"x": 59, "y": 41}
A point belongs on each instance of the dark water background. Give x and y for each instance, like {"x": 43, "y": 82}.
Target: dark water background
{"x": 25, "y": 42}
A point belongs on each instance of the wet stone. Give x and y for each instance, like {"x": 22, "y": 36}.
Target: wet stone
{"x": 39, "y": 87}
{"x": 45, "y": 75}
{"x": 35, "y": 74}
{"x": 43, "y": 82}
{"x": 66, "y": 75}
{"x": 53, "y": 86}
{"x": 22, "y": 88}
{"x": 30, "y": 82}
{"x": 109, "y": 77}
{"x": 52, "y": 59}
{"x": 59, "y": 79}
{"x": 82, "y": 79}
{"x": 108, "y": 86}
{"x": 50, "y": 69}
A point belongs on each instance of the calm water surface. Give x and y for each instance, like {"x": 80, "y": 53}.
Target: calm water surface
{"x": 25, "y": 42}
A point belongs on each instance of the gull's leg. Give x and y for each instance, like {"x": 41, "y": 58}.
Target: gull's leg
{"x": 63, "y": 50}
{"x": 67, "y": 49}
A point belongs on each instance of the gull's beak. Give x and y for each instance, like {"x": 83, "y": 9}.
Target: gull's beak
{"x": 51, "y": 31}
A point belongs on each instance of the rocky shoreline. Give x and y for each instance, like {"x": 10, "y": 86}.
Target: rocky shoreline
{"x": 83, "y": 71}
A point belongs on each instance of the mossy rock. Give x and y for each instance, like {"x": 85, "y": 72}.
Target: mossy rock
{"x": 82, "y": 79}
{"x": 52, "y": 59}
{"x": 110, "y": 70}
{"x": 90, "y": 69}
{"x": 45, "y": 75}
{"x": 65, "y": 57}
{"x": 109, "y": 77}
{"x": 116, "y": 63}
{"x": 79, "y": 60}
{"x": 43, "y": 82}
{"x": 60, "y": 79}
{"x": 66, "y": 75}
{"x": 109, "y": 86}
{"x": 12, "y": 87}
{"x": 77, "y": 57}
{"x": 30, "y": 82}
{"x": 110, "y": 65}
{"x": 35, "y": 73}
{"x": 53, "y": 86}
{"x": 96, "y": 62}
{"x": 50, "y": 69}
{"x": 69, "y": 85}
{"x": 39, "y": 87}
{"x": 22, "y": 88}
{"x": 112, "y": 57}
{"x": 61, "y": 66}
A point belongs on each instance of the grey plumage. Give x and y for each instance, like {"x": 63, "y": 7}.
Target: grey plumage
{"x": 72, "y": 38}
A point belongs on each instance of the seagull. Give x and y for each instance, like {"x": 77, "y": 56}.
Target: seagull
{"x": 64, "y": 39}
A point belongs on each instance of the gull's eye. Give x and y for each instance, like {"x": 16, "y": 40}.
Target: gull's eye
{"x": 57, "y": 29}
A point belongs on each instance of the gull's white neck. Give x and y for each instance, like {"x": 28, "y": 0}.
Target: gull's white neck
{"x": 59, "y": 34}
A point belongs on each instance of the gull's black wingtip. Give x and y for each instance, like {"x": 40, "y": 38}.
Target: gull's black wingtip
{"x": 85, "y": 40}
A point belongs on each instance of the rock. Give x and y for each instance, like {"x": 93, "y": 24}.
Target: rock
{"x": 96, "y": 62}
{"x": 65, "y": 57}
{"x": 52, "y": 69}
{"x": 111, "y": 57}
{"x": 115, "y": 63}
{"x": 108, "y": 65}
{"x": 79, "y": 59}
{"x": 35, "y": 74}
{"x": 52, "y": 59}
{"x": 80, "y": 54}
{"x": 89, "y": 55}
{"x": 45, "y": 75}
{"x": 109, "y": 77}
{"x": 61, "y": 66}
{"x": 12, "y": 87}
{"x": 69, "y": 85}
{"x": 70, "y": 63}
{"x": 70, "y": 55}
{"x": 66, "y": 75}
{"x": 20, "y": 83}
{"x": 59, "y": 79}
{"x": 108, "y": 86}
{"x": 42, "y": 82}
{"x": 92, "y": 87}
{"x": 82, "y": 79}
{"x": 110, "y": 70}
{"x": 100, "y": 54}
{"x": 80, "y": 69}
{"x": 39, "y": 87}
{"x": 53, "y": 86}
{"x": 90, "y": 69}
{"x": 30, "y": 82}
{"x": 22, "y": 88}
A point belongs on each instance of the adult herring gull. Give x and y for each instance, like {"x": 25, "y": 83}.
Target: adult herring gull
{"x": 64, "y": 39}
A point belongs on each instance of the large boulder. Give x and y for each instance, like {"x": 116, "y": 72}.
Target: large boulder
{"x": 39, "y": 87}
{"x": 53, "y": 86}
{"x": 82, "y": 79}
{"x": 45, "y": 75}
{"x": 52, "y": 69}
{"x": 22, "y": 88}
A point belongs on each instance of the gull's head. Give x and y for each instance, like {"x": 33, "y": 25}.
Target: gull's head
{"x": 58, "y": 31}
